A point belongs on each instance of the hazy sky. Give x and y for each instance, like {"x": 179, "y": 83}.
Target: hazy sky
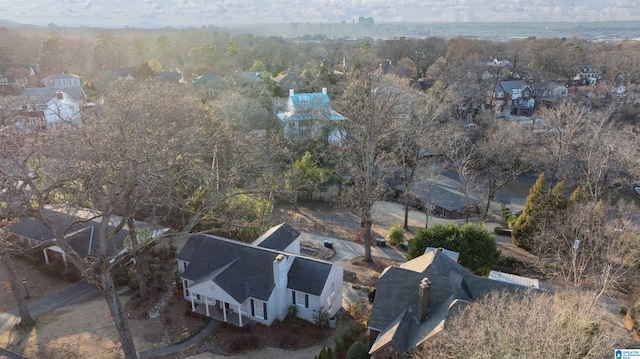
{"x": 201, "y": 12}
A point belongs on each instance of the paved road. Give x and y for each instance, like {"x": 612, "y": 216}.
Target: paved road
{"x": 347, "y": 250}
{"x": 78, "y": 292}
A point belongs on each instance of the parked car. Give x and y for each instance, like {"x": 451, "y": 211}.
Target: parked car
{"x": 637, "y": 191}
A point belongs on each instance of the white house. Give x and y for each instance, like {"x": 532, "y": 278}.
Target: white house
{"x": 59, "y": 101}
{"x": 61, "y": 109}
{"x": 236, "y": 282}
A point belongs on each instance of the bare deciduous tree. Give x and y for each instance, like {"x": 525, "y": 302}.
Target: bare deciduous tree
{"x": 373, "y": 108}
{"x": 530, "y": 325}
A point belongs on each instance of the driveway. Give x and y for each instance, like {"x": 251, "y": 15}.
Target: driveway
{"x": 347, "y": 250}
{"x": 78, "y": 292}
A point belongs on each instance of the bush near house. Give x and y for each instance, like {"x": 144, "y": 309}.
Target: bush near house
{"x": 476, "y": 245}
{"x": 395, "y": 235}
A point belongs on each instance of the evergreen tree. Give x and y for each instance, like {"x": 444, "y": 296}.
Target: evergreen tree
{"x": 578, "y": 195}
{"x": 533, "y": 215}
{"x": 559, "y": 197}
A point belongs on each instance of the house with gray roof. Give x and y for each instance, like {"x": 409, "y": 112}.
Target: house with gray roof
{"x": 282, "y": 237}
{"x": 513, "y": 97}
{"x": 237, "y": 282}
{"x": 59, "y": 101}
{"x": 443, "y": 200}
{"x": 210, "y": 84}
{"x": 81, "y": 227}
{"x": 413, "y": 301}
{"x": 306, "y": 115}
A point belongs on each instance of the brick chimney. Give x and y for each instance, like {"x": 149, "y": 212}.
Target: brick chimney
{"x": 423, "y": 299}
{"x": 59, "y": 95}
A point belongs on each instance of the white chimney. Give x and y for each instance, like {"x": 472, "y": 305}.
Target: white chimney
{"x": 281, "y": 265}
{"x": 291, "y": 92}
{"x": 324, "y": 90}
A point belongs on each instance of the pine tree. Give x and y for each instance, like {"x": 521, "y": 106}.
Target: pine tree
{"x": 559, "y": 197}
{"x": 578, "y": 195}
{"x": 533, "y": 215}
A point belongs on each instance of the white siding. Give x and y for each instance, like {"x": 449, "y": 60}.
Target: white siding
{"x": 332, "y": 291}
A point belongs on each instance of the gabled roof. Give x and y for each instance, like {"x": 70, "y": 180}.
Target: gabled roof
{"x": 81, "y": 226}
{"x": 248, "y": 270}
{"x": 211, "y": 79}
{"x": 243, "y": 270}
{"x": 396, "y": 300}
{"x": 278, "y": 237}
{"x": 248, "y": 77}
{"x": 439, "y": 194}
{"x": 309, "y": 106}
{"x": 61, "y": 77}
{"x": 509, "y": 86}
{"x": 42, "y": 95}
{"x": 308, "y": 275}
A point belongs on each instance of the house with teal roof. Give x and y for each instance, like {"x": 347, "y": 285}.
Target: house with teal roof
{"x": 308, "y": 115}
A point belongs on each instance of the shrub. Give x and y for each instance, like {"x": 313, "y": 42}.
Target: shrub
{"x": 395, "y": 235}
{"x": 357, "y": 351}
{"x": 511, "y": 219}
{"x": 292, "y": 312}
{"x": 321, "y": 317}
{"x": 476, "y": 245}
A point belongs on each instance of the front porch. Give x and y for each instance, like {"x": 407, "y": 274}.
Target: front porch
{"x": 223, "y": 315}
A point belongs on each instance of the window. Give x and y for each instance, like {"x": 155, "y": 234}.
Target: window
{"x": 257, "y": 310}
{"x": 300, "y": 298}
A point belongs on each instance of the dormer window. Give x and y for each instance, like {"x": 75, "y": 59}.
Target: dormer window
{"x": 304, "y": 100}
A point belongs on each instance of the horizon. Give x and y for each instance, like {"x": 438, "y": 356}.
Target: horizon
{"x": 196, "y": 13}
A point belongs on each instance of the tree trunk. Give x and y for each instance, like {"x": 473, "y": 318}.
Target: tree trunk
{"x": 365, "y": 224}
{"x": 406, "y": 214}
{"x": 26, "y": 320}
{"x": 140, "y": 265}
{"x": 119, "y": 316}
{"x": 367, "y": 241}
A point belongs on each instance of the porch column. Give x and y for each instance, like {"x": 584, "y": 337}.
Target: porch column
{"x": 224, "y": 310}
{"x": 240, "y": 315}
{"x": 193, "y": 304}
{"x": 206, "y": 305}
{"x": 46, "y": 256}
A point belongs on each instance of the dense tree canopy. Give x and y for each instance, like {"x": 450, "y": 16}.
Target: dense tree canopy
{"x": 476, "y": 245}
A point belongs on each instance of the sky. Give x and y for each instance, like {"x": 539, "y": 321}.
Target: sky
{"x": 117, "y": 13}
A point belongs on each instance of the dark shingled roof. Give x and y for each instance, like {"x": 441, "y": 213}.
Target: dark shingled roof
{"x": 83, "y": 235}
{"x": 277, "y": 238}
{"x": 239, "y": 269}
{"x": 397, "y": 294}
{"x": 307, "y": 275}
